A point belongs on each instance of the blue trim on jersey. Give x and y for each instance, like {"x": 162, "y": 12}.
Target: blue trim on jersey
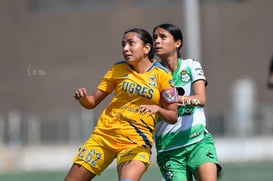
{"x": 146, "y": 126}
{"x": 161, "y": 67}
{"x": 131, "y": 140}
{"x": 135, "y": 142}
{"x": 155, "y": 64}
{"x": 124, "y": 61}
{"x": 154, "y": 120}
{"x": 131, "y": 66}
{"x": 144, "y": 146}
{"x": 144, "y": 137}
{"x": 120, "y": 62}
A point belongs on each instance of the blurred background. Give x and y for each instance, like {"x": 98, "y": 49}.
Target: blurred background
{"x": 49, "y": 48}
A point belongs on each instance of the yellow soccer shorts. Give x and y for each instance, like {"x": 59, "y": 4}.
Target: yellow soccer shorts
{"x": 95, "y": 157}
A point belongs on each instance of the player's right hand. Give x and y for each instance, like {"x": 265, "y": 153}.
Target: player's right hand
{"x": 80, "y": 93}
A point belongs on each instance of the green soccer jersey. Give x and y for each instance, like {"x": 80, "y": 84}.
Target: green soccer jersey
{"x": 191, "y": 122}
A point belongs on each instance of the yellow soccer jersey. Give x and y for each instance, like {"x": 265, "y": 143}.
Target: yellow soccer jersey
{"x": 120, "y": 124}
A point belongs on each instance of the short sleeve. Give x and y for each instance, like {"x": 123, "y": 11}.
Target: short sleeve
{"x": 107, "y": 83}
{"x": 197, "y": 72}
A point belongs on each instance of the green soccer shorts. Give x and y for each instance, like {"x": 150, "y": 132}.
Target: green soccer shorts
{"x": 181, "y": 163}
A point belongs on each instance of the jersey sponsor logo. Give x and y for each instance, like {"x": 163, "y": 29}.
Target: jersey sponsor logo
{"x": 82, "y": 152}
{"x": 186, "y": 110}
{"x": 143, "y": 156}
{"x": 136, "y": 89}
{"x": 185, "y": 77}
{"x": 128, "y": 108}
{"x": 127, "y": 119}
{"x": 201, "y": 73}
{"x": 171, "y": 82}
{"x": 169, "y": 174}
{"x": 210, "y": 155}
{"x": 127, "y": 153}
{"x": 195, "y": 134}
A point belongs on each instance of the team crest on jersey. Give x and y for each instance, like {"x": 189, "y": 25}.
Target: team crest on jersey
{"x": 185, "y": 77}
{"x": 82, "y": 152}
{"x": 152, "y": 81}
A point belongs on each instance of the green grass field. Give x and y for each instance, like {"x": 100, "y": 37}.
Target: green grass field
{"x": 238, "y": 172}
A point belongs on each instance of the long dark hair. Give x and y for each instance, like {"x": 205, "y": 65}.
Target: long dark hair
{"x": 145, "y": 37}
{"x": 175, "y": 32}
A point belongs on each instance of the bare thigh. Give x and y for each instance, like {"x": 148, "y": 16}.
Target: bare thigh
{"x": 132, "y": 170}
{"x": 206, "y": 172}
{"x": 79, "y": 173}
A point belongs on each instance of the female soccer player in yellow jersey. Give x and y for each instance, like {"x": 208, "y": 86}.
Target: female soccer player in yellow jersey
{"x": 144, "y": 90}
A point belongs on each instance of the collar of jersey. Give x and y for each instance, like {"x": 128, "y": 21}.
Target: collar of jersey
{"x": 154, "y": 64}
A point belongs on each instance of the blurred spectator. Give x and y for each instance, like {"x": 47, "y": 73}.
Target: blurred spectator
{"x": 270, "y": 78}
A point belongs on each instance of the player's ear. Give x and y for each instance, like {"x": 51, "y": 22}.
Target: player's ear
{"x": 178, "y": 43}
{"x": 147, "y": 48}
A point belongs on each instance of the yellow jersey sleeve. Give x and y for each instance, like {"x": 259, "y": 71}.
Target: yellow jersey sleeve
{"x": 107, "y": 84}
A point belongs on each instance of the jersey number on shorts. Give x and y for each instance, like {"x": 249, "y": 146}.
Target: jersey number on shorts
{"x": 90, "y": 155}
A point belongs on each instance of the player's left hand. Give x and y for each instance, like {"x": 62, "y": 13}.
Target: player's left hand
{"x": 152, "y": 109}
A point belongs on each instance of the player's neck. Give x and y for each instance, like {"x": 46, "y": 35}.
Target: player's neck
{"x": 170, "y": 62}
{"x": 143, "y": 66}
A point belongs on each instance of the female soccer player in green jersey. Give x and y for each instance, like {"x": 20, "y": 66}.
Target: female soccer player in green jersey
{"x": 184, "y": 149}
{"x": 144, "y": 90}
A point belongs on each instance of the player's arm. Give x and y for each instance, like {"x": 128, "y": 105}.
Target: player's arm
{"x": 198, "y": 98}
{"x": 89, "y": 102}
{"x": 168, "y": 112}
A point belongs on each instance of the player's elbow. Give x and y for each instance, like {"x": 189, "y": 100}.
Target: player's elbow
{"x": 173, "y": 116}
{"x": 89, "y": 106}
{"x": 173, "y": 121}
{"x": 202, "y": 102}
{"x": 88, "y": 103}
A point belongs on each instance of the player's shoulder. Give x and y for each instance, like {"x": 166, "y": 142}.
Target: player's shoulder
{"x": 120, "y": 63}
{"x": 160, "y": 67}
{"x": 190, "y": 60}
